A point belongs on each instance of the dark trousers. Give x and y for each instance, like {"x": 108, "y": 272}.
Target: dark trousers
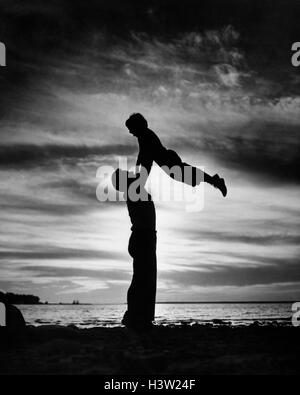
{"x": 142, "y": 291}
{"x": 172, "y": 164}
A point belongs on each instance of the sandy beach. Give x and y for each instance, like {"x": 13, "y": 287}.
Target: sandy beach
{"x": 196, "y": 349}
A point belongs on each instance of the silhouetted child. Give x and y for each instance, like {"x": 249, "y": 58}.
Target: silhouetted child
{"x": 142, "y": 248}
{"x": 151, "y": 149}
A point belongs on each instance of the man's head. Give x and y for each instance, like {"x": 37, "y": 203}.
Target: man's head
{"x": 136, "y": 124}
{"x": 121, "y": 180}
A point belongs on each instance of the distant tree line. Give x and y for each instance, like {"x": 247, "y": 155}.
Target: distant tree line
{"x": 18, "y": 299}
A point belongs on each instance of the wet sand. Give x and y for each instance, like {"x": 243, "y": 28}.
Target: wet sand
{"x": 197, "y": 349}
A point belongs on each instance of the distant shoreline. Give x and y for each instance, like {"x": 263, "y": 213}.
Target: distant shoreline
{"x": 231, "y": 302}
{"x": 123, "y": 303}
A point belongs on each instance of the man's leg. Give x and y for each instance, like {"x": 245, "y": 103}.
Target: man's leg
{"x": 142, "y": 291}
{"x": 133, "y": 291}
{"x": 149, "y": 279}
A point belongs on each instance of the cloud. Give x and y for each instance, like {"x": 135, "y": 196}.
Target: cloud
{"x": 280, "y": 271}
{"x": 26, "y": 205}
{"x": 269, "y": 150}
{"x": 214, "y": 81}
{"x": 59, "y": 253}
{"x": 29, "y": 155}
{"x": 256, "y": 238}
{"x": 67, "y": 272}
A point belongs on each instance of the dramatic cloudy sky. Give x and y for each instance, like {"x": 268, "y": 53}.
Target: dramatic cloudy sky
{"x": 214, "y": 80}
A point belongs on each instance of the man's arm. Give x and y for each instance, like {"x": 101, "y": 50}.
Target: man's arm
{"x": 143, "y": 164}
{"x": 146, "y": 154}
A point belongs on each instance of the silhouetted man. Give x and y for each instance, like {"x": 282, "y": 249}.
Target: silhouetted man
{"x": 142, "y": 248}
{"x": 151, "y": 149}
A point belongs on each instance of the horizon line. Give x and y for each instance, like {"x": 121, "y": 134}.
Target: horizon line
{"x": 181, "y": 302}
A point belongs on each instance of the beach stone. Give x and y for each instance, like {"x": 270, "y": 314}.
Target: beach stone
{"x": 217, "y": 321}
{"x": 14, "y": 318}
{"x": 73, "y": 326}
{"x": 255, "y": 324}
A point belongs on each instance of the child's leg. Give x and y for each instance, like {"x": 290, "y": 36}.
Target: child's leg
{"x": 193, "y": 176}
{"x": 190, "y": 175}
{"x": 172, "y": 164}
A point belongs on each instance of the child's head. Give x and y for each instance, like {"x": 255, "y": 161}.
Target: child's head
{"x": 136, "y": 124}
